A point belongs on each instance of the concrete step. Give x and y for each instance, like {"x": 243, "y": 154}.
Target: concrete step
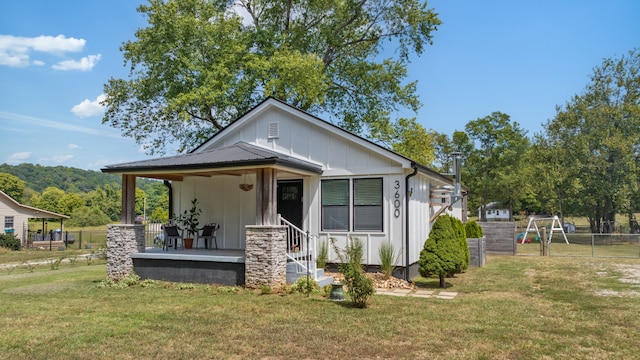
{"x": 322, "y": 280}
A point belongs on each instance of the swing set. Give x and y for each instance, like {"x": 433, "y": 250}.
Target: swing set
{"x": 533, "y": 224}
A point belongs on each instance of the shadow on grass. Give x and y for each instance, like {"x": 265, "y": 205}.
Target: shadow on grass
{"x": 429, "y": 283}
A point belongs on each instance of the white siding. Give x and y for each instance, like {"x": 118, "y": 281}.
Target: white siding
{"x": 222, "y": 202}
{"x": 341, "y": 155}
{"x": 419, "y": 213}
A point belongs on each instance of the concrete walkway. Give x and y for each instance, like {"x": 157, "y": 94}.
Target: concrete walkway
{"x": 422, "y": 293}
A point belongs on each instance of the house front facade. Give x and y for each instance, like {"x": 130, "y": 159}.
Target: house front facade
{"x": 329, "y": 183}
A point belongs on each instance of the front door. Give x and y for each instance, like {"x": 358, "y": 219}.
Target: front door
{"x": 290, "y": 201}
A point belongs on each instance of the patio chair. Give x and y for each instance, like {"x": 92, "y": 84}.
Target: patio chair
{"x": 208, "y": 234}
{"x": 172, "y": 232}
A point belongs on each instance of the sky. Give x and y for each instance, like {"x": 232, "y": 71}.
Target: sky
{"x": 522, "y": 58}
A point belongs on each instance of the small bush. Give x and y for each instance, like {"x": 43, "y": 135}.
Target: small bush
{"x": 359, "y": 286}
{"x": 301, "y": 286}
{"x": 9, "y": 241}
{"x": 265, "y": 289}
{"x": 463, "y": 245}
{"x": 473, "y": 230}
{"x": 387, "y": 257}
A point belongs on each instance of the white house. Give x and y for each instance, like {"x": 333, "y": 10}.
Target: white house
{"x": 495, "y": 212}
{"x": 319, "y": 177}
{"x": 15, "y": 217}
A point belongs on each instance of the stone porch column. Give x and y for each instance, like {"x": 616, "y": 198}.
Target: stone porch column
{"x": 265, "y": 256}
{"x": 122, "y": 241}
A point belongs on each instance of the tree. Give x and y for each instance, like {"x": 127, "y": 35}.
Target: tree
{"x": 12, "y": 186}
{"x": 595, "y": 140}
{"x": 441, "y": 254}
{"x": 50, "y": 200}
{"x": 199, "y": 65}
{"x": 495, "y": 167}
{"x": 88, "y": 216}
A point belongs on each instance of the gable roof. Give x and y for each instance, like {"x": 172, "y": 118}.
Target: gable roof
{"x": 31, "y": 211}
{"x": 240, "y": 154}
{"x": 243, "y": 154}
{"x": 273, "y": 102}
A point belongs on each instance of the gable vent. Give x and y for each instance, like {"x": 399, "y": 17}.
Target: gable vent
{"x": 274, "y": 130}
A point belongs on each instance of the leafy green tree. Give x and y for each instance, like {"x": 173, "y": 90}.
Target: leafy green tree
{"x": 197, "y": 66}
{"x": 440, "y": 255}
{"x": 107, "y": 199}
{"x": 50, "y": 199}
{"x": 88, "y": 216}
{"x": 594, "y": 142}
{"x": 495, "y": 167}
{"x": 412, "y": 140}
{"x": 12, "y": 186}
{"x": 70, "y": 202}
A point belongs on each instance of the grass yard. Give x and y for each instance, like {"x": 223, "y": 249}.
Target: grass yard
{"x": 513, "y": 308}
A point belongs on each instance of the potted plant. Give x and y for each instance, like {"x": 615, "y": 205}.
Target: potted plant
{"x": 189, "y": 221}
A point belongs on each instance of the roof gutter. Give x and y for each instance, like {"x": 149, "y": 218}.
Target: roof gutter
{"x": 407, "y": 195}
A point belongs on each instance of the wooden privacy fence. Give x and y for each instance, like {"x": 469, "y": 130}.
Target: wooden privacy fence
{"x": 499, "y": 237}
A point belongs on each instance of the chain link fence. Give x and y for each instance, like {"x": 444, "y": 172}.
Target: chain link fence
{"x": 582, "y": 244}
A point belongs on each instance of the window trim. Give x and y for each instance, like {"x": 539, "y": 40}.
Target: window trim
{"x": 351, "y": 207}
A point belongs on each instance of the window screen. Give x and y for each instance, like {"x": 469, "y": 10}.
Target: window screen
{"x": 335, "y": 204}
{"x": 367, "y": 204}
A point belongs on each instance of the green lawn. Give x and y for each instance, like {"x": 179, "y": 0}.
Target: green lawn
{"x": 513, "y": 308}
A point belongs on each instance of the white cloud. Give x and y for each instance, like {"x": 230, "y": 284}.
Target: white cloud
{"x": 57, "y": 125}
{"x": 73, "y": 146}
{"x": 85, "y": 64}
{"x": 15, "y": 50}
{"x": 18, "y": 157}
{"x": 89, "y": 108}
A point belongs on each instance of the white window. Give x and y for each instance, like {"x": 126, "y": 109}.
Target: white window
{"x": 8, "y": 222}
{"x": 343, "y": 199}
{"x": 335, "y": 204}
{"x": 367, "y": 204}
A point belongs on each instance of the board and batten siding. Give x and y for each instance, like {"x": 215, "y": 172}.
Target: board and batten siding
{"x": 222, "y": 202}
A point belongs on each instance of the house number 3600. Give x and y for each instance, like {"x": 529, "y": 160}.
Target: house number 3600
{"x": 396, "y": 201}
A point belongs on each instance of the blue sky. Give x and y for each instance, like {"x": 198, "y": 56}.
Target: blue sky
{"x": 519, "y": 57}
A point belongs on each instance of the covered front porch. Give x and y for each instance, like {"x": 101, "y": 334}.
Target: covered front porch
{"x": 253, "y": 241}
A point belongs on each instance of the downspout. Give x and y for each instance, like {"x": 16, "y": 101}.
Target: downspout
{"x": 406, "y": 220}
{"x": 167, "y": 183}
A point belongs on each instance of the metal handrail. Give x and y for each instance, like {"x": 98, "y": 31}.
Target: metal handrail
{"x": 297, "y": 240}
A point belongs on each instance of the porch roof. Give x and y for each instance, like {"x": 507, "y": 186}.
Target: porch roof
{"x": 238, "y": 156}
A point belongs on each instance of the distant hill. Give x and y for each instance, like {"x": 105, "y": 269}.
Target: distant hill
{"x": 38, "y": 177}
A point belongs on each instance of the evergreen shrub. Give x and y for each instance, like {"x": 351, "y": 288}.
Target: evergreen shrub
{"x": 441, "y": 254}
{"x": 473, "y": 230}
